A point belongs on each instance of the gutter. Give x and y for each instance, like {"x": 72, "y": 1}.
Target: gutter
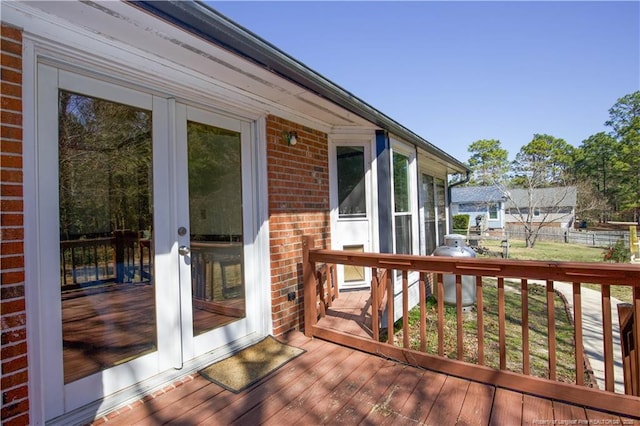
{"x": 199, "y": 19}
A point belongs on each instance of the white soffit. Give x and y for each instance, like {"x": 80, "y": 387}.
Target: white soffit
{"x": 132, "y": 28}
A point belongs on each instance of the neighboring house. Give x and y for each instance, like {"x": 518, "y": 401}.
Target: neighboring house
{"x": 160, "y": 165}
{"x": 486, "y": 202}
{"x": 555, "y": 206}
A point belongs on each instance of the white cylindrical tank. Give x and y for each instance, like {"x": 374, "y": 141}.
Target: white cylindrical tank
{"x": 454, "y": 246}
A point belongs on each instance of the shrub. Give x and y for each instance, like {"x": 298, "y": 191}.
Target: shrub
{"x": 617, "y": 253}
{"x": 460, "y": 223}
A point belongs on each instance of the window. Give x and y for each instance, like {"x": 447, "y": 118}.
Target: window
{"x": 493, "y": 211}
{"x": 429, "y": 211}
{"x": 351, "y": 181}
{"x": 402, "y": 204}
{"x": 441, "y": 209}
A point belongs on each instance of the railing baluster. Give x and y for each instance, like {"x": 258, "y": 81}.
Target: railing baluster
{"x": 308, "y": 277}
{"x": 405, "y": 309}
{"x": 480, "y": 320}
{"x": 423, "y": 311}
{"x": 501, "y": 325}
{"x": 459, "y": 340}
{"x": 390, "y": 313}
{"x": 551, "y": 329}
{"x": 577, "y": 333}
{"x": 635, "y": 357}
{"x": 524, "y": 297}
{"x": 73, "y": 265}
{"x": 607, "y": 335}
{"x": 440, "y": 315}
{"x": 375, "y": 305}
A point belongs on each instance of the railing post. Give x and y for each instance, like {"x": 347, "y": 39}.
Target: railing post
{"x": 309, "y": 282}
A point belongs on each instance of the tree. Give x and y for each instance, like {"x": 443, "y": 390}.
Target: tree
{"x": 545, "y": 162}
{"x": 488, "y": 162}
{"x": 624, "y": 119}
{"x": 597, "y": 167}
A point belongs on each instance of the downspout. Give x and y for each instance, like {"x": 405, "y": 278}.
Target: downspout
{"x": 453, "y": 185}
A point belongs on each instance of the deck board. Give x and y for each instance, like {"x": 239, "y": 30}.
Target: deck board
{"x": 332, "y": 384}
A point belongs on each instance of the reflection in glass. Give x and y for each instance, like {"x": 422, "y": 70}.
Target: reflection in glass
{"x": 353, "y": 273}
{"x": 429, "y": 209}
{"x": 351, "y": 181}
{"x": 215, "y": 214}
{"x": 442, "y": 210}
{"x": 106, "y": 218}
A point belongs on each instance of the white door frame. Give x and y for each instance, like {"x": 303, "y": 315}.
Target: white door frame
{"x": 42, "y": 188}
{"x": 351, "y": 231}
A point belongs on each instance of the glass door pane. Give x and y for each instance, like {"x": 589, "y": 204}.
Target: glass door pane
{"x": 106, "y": 249}
{"x": 216, "y": 216}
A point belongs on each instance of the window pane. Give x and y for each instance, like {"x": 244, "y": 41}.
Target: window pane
{"x": 106, "y": 220}
{"x": 351, "y": 181}
{"x": 215, "y": 215}
{"x": 403, "y": 234}
{"x": 401, "y": 183}
{"x": 493, "y": 211}
{"x": 441, "y": 206}
{"x": 429, "y": 208}
{"x": 353, "y": 273}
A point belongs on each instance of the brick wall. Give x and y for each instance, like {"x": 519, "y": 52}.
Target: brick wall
{"x": 15, "y": 403}
{"x": 298, "y": 205}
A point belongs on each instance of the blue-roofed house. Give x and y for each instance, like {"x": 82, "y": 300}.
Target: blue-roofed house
{"x": 486, "y": 203}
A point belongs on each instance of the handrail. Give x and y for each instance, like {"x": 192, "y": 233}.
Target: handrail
{"x": 432, "y": 270}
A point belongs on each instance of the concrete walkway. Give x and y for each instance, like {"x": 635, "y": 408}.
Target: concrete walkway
{"x": 592, "y": 332}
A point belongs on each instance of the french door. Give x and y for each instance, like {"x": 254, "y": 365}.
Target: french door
{"x": 145, "y": 224}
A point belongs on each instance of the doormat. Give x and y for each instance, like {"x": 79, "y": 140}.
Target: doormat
{"x": 241, "y": 370}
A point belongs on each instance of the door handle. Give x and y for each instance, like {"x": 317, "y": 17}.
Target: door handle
{"x": 184, "y": 250}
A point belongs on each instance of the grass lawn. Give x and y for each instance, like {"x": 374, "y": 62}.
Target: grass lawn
{"x": 560, "y": 252}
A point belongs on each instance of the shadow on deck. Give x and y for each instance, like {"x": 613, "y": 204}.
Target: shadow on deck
{"x": 334, "y": 384}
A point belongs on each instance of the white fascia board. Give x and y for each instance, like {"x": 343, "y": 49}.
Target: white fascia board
{"x": 181, "y": 71}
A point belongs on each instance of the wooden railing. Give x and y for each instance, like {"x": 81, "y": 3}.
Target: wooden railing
{"x": 124, "y": 257}
{"x": 433, "y": 269}
{"x": 629, "y": 345}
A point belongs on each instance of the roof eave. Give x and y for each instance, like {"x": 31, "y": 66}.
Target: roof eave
{"x": 225, "y": 33}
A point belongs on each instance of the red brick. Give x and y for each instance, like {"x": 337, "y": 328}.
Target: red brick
{"x": 12, "y": 351}
{"x": 11, "y": 76}
{"x": 12, "y": 307}
{"x": 11, "y": 117}
{"x": 11, "y": 61}
{"x": 14, "y": 365}
{"x": 12, "y": 104}
{"x": 18, "y": 420}
{"x": 15, "y": 409}
{"x": 15, "y": 379}
{"x": 11, "y": 190}
{"x": 11, "y": 291}
{"x": 14, "y": 336}
{"x": 13, "y": 321}
{"x": 9, "y": 89}
{"x": 14, "y": 147}
{"x": 11, "y": 161}
{"x": 11, "y": 206}
{"x": 11, "y": 219}
{"x": 11, "y": 262}
{"x": 15, "y": 277}
{"x": 12, "y": 234}
{"x": 10, "y": 46}
{"x": 10, "y": 132}
{"x": 15, "y": 394}
{"x": 10, "y": 32}
{"x": 11, "y": 248}
{"x": 14, "y": 176}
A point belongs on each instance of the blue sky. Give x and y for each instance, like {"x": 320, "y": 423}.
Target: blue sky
{"x": 455, "y": 72}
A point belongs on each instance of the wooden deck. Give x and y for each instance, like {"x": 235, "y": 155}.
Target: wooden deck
{"x": 331, "y": 384}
